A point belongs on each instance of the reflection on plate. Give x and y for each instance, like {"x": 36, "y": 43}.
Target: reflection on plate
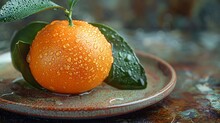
{"x": 103, "y": 101}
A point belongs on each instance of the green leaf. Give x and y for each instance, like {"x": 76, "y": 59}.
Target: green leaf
{"x": 20, "y": 47}
{"x": 126, "y": 71}
{"x": 20, "y": 53}
{"x": 72, "y": 3}
{"x": 18, "y": 9}
{"x": 27, "y": 35}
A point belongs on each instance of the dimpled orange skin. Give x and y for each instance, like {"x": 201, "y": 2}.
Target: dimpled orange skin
{"x": 67, "y": 59}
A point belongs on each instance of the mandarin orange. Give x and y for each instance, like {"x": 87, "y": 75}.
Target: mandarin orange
{"x": 70, "y": 59}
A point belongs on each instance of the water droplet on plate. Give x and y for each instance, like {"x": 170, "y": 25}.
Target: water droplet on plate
{"x": 7, "y": 94}
{"x": 58, "y": 102}
{"x": 86, "y": 93}
{"x": 116, "y": 100}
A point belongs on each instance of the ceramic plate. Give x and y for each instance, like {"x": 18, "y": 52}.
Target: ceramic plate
{"x": 103, "y": 101}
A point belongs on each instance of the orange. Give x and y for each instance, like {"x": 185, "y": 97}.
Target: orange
{"x": 70, "y": 59}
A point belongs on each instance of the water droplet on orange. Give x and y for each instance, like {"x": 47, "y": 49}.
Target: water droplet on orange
{"x": 69, "y": 59}
{"x": 58, "y": 53}
{"x": 58, "y": 73}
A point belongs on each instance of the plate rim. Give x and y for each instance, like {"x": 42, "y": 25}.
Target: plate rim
{"x": 167, "y": 88}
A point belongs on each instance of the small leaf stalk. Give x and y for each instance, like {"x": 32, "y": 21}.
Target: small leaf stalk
{"x": 69, "y": 12}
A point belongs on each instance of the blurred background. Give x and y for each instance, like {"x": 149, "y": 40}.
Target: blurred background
{"x": 186, "y": 33}
{"x": 166, "y": 28}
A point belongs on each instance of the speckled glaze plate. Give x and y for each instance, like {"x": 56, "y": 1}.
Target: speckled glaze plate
{"x": 103, "y": 101}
